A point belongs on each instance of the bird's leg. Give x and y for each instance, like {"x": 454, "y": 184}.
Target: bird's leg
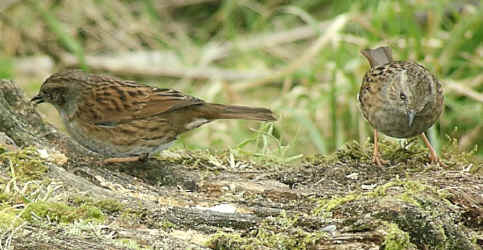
{"x": 433, "y": 156}
{"x": 141, "y": 158}
{"x": 376, "y": 157}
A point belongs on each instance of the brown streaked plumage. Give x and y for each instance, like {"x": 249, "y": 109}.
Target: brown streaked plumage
{"x": 398, "y": 98}
{"x": 119, "y": 118}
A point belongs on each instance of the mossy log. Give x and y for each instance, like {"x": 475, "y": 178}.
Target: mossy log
{"x": 197, "y": 200}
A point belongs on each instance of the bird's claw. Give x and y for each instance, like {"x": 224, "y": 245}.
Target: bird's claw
{"x": 376, "y": 158}
{"x": 436, "y": 160}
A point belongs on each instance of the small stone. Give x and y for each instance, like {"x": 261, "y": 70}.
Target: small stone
{"x": 43, "y": 153}
{"x": 368, "y": 187}
{"x": 221, "y": 208}
{"x": 353, "y": 176}
{"x": 329, "y": 228}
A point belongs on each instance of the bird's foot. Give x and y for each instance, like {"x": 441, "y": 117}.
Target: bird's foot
{"x": 436, "y": 160}
{"x": 140, "y": 158}
{"x": 121, "y": 160}
{"x": 376, "y": 158}
{"x": 433, "y": 156}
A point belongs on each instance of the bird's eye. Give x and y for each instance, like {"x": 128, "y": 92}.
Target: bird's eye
{"x": 55, "y": 95}
{"x": 402, "y": 96}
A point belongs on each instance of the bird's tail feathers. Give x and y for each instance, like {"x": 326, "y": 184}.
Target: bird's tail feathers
{"x": 219, "y": 111}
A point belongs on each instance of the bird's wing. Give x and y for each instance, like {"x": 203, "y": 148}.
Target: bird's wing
{"x": 125, "y": 101}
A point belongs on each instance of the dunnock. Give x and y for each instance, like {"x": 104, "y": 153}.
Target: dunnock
{"x": 127, "y": 120}
{"x": 400, "y": 99}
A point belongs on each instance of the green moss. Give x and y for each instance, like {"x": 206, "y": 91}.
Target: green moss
{"x": 410, "y": 189}
{"x": 129, "y": 244}
{"x": 167, "y": 225}
{"x": 295, "y": 239}
{"x": 426, "y": 225}
{"x": 61, "y": 212}
{"x": 230, "y": 241}
{"x": 9, "y": 219}
{"x": 326, "y": 205}
{"x": 390, "y": 150}
{"x": 415, "y": 222}
{"x": 351, "y": 151}
{"x": 355, "y": 153}
{"x": 281, "y": 232}
{"x": 24, "y": 164}
{"x": 109, "y": 206}
{"x": 80, "y": 199}
{"x": 408, "y": 198}
{"x": 415, "y": 155}
{"x": 396, "y": 239}
{"x": 89, "y": 213}
{"x": 4, "y": 197}
{"x": 455, "y": 155}
{"x": 130, "y": 216}
{"x": 9, "y": 199}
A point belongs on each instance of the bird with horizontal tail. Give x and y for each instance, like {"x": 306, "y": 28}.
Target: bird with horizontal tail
{"x": 128, "y": 121}
{"x": 400, "y": 99}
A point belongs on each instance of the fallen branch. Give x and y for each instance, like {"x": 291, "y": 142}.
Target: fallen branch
{"x": 140, "y": 63}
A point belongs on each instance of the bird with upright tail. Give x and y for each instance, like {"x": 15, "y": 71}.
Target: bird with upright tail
{"x": 399, "y": 98}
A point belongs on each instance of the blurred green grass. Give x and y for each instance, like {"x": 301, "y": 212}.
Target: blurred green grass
{"x": 316, "y": 103}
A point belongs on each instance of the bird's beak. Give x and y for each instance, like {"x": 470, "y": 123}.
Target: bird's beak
{"x": 411, "y": 115}
{"x": 37, "y": 99}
